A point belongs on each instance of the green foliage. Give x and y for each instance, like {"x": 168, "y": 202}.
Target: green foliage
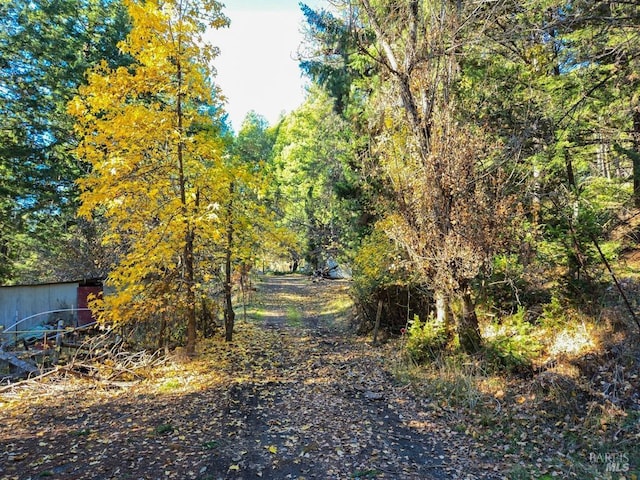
{"x": 294, "y": 317}
{"x": 45, "y": 48}
{"x": 504, "y": 288}
{"x": 253, "y": 213}
{"x": 254, "y": 143}
{"x": 554, "y": 313}
{"x": 211, "y": 445}
{"x": 170, "y": 385}
{"x": 378, "y": 264}
{"x": 310, "y": 158}
{"x": 326, "y": 60}
{"x": 164, "y": 429}
{"x": 362, "y": 474}
{"x": 514, "y": 345}
{"x": 381, "y": 272}
{"x": 425, "y": 340}
{"x": 606, "y": 196}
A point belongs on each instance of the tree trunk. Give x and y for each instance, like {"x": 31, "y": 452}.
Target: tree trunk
{"x": 190, "y": 296}
{"x": 636, "y": 158}
{"x": 535, "y": 200}
{"x": 243, "y": 289}
{"x": 468, "y": 329}
{"x": 163, "y": 331}
{"x": 377, "y": 324}
{"x": 443, "y": 311}
{"x": 189, "y": 273}
{"x": 207, "y": 319}
{"x": 229, "y": 314}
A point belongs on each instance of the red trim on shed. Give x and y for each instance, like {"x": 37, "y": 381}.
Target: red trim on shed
{"x": 84, "y": 316}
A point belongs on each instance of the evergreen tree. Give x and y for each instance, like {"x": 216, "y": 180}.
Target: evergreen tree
{"x": 45, "y": 48}
{"x": 311, "y": 157}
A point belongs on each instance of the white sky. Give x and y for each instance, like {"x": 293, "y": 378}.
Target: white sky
{"x": 257, "y": 69}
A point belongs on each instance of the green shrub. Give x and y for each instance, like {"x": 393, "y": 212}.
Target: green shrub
{"x": 502, "y": 289}
{"x": 514, "y": 346}
{"x": 381, "y": 272}
{"x": 170, "y": 385}
{"x": 554, "y": 314}
{"x": 425, "y": 340}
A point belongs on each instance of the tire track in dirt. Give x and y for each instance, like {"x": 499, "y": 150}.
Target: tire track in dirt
{"x": 335, "y": 411}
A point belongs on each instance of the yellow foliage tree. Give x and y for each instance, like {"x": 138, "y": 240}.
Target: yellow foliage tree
{"x": 250, "y": 225}
{"x": 157, "y": 175}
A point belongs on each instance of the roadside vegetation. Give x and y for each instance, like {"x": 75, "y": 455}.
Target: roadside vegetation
{"x": 471, "y": 170}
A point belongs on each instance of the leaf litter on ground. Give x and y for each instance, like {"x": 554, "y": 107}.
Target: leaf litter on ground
{"x": 282, "y": 401}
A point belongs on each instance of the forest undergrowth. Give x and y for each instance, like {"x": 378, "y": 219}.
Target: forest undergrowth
{"x": 557, "y": 397}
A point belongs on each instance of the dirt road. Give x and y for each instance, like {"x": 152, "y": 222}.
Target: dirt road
{"x": 335, "y": 410}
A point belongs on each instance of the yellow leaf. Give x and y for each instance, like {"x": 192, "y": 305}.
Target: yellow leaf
{"x": 272, "y": 449}
{"x": 234, "y": 468}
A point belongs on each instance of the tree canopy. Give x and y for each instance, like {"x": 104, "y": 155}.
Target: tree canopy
{"x": 472, "y": 167}
{"x": 472, "y": 149}
{"x": 45, "y": 48}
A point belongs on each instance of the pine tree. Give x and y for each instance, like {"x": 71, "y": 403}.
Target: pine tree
{"x": 45, "y": 48}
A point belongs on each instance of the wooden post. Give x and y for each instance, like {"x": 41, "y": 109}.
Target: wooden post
{"x": 58, "y": 349}
{"x": 59, "y": 330}
{"x": 377, "y": 325}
